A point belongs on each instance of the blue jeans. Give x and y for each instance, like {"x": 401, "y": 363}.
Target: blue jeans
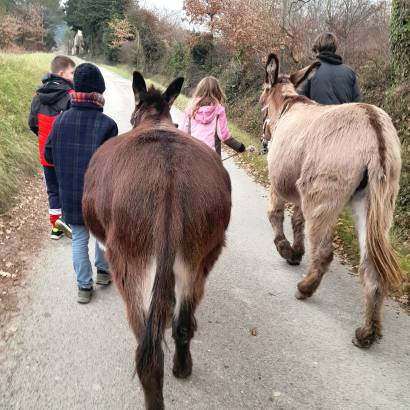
{"x": 81, "y": 260}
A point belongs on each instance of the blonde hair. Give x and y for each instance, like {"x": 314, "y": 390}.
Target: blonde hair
{"x": 207, "y": 92}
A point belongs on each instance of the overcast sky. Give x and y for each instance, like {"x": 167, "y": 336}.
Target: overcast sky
{"x": 167, "y": 4}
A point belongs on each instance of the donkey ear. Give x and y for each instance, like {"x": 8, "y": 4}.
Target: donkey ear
{"x": 304, "y": 74}
{"x": 173, "y": 90}
{"x": 272, "y": 70}
{"x": 138, "y": 86}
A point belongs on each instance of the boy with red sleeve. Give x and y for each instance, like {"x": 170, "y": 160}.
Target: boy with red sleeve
{"x": 51, "y": 98}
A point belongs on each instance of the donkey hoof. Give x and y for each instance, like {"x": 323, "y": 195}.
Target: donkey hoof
{"x": 284, "y": 249}
{"x": 365, "y": 337}
{"x": 296, "y": 257}
{"x": 363, "y": 344}
{"x": 182, "y": 372}
{"x": 182, "y": 366}
{"x": 299, "y": 295}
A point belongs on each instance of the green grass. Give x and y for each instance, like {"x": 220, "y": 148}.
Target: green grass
{"x": 258, "y": 167}
{"x": 20, "y": 74}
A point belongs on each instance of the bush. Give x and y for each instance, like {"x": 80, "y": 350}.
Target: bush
{"x": 379, "y": 89}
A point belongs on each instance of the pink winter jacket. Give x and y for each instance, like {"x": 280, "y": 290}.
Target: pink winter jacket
{"x": 210, "y": 126}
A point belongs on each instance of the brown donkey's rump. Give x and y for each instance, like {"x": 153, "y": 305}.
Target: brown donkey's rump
{"x": 322, "y": 158}
{"x": 160, "y": 202}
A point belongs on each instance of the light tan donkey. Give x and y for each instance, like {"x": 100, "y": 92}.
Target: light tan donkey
{"x": 322, "y": 158}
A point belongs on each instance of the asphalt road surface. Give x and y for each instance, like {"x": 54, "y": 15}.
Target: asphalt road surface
{"x": 69, "y": 356}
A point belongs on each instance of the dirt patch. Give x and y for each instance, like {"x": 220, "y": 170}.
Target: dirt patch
{"x": 22, "y": 230}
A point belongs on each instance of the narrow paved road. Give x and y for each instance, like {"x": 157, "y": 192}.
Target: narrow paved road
{"x": 68, "y": 356}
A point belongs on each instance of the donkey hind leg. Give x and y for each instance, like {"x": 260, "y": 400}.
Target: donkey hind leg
{"x": 135, "y": 285}
{"x": 184, "y": 324}
{"x": 320, "y": 229}
{"x": 298, "y": 226}
{"x": 150, "y": 372}
{"x": 276, "y": 215}
{"x": 373, "y": 287}
{"x": 189, "y": 293}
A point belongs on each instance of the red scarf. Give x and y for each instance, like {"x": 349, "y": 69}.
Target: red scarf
{"x": 94, "y": 98}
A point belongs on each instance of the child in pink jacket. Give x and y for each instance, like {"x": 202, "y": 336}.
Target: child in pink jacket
{"x": 206, "y": 120}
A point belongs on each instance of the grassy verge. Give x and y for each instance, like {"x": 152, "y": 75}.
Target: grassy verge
{"x": 256, "y": 164}
{"x": 20, "y": 74}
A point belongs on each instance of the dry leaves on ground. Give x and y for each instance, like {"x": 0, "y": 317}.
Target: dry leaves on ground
{"x": 22, "y": 229}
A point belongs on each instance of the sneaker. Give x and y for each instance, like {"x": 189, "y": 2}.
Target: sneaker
{"x": 84, "y": 295}
{"x": 103, "y": 278}
{"x": 62, "y": 226}
{"x": 56, "y": 234}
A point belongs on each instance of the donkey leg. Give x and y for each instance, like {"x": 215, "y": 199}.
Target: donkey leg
{"x": 371, "y": 331}
{"x": 276, "y": 215}
{"x": 298, "y": 226}
{"x": 320, "y": 235}
{"x": 134, "y": 284}
{"x": 183, "y": 325}
{"x": 189, "y": 292}
{"x": 183, "y": 330}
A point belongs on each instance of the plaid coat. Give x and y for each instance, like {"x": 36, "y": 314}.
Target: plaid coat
{"x": 76, "y": 135}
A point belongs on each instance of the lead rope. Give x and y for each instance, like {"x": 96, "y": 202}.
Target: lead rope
{"x": 230, "y": 156}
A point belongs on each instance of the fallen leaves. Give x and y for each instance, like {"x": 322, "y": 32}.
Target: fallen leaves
{"x": 22, "y": 227}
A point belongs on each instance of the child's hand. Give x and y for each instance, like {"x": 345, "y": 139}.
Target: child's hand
{"x": 250, "y": 148}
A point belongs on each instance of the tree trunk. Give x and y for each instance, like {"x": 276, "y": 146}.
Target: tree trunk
{"x": 400, "y": 39}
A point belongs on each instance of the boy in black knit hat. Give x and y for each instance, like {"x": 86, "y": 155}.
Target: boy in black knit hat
{"x": 77, "y": 133}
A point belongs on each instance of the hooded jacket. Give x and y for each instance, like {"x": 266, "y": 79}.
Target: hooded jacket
{"x": 210, "y": 125}
{"x": 333, "y": 82}
{"x": 51, "y": 98}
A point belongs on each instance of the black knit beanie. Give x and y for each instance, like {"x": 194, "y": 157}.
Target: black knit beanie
{"x": 88, "y": 79}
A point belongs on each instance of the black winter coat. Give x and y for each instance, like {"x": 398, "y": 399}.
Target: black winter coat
{"x": 333, "y": 82}
{"x": 51, "y": 98}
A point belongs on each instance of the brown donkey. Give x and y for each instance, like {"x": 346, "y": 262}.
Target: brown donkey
{"x": 322, "y": 158}
{"x": 160, "y": 202}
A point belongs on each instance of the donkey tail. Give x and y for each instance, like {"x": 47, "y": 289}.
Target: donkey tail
{"x": 382, "y": 197}
{"x": 149, "y": 352}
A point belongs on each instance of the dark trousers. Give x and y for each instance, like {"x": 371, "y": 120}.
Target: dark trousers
{"x": 54, "y": 203}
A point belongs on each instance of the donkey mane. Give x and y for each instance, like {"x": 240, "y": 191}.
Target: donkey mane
{"x": 290, "y": 100}
{"x": 154, "y": 98}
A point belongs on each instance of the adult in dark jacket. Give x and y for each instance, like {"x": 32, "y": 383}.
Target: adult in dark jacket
{"x": 333, "y": 82}
{"x": 77, "y": 133}
{"x": 51, "y": 98}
